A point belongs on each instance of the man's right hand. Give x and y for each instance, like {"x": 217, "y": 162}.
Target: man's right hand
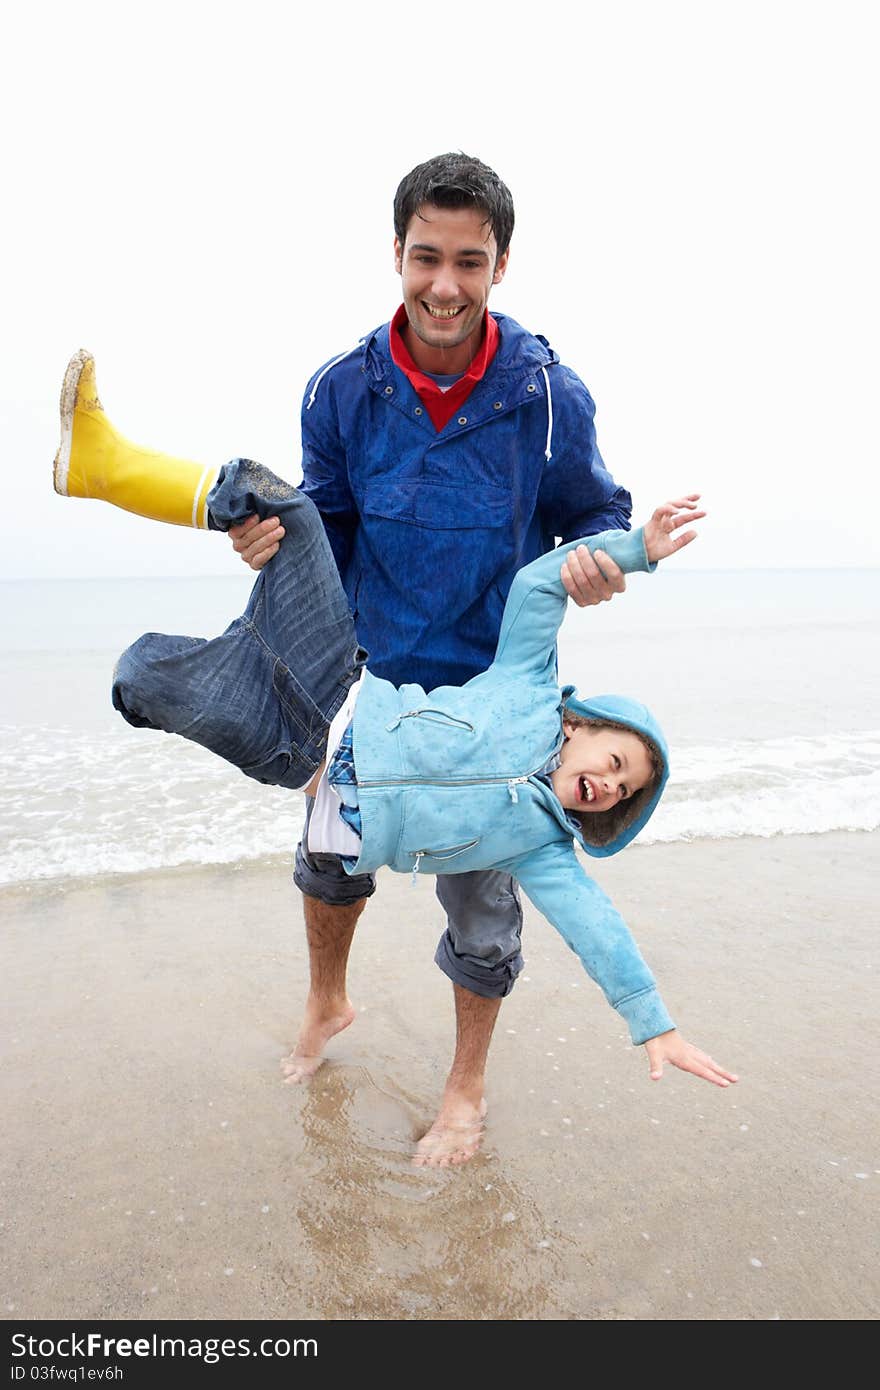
{"x": 257, "y": 541}
{"x": 585, "y": 583}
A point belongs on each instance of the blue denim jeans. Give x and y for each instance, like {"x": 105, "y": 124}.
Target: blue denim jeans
{"x": 263, "y": 694}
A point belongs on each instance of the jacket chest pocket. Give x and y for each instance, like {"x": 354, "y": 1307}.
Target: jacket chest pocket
{"x": 461, "y": 506}
{"x": 444, "y": 544}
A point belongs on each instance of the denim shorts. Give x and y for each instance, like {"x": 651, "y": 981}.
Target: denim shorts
{"x": 263, "y": 694}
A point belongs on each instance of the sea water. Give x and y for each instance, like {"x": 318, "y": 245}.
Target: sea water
{"x": 767, "y": 684}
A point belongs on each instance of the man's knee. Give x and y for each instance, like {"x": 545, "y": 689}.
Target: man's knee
{"x": 491, "y": 979}
{"x": 481, "y": 948}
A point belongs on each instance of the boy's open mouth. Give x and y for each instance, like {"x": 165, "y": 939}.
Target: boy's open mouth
{"x": 585, "y": 790}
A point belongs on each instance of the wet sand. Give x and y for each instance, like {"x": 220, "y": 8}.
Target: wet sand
{"x": 156, "y": 1167}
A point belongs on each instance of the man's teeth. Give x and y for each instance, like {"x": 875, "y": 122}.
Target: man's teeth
{"x": 443, "y": 313}
{"x": 587, "y": 791}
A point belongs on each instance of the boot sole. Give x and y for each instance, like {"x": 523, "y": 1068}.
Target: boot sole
{"x": 69, "y": 391}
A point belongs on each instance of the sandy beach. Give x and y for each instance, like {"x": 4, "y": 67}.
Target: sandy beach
{"x": 155, "y": 1166}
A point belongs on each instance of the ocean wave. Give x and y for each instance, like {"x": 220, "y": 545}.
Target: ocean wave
{"x": 784, "y": 786}
{"x": 76, "y": 805}
{"x": 118, "y": 803}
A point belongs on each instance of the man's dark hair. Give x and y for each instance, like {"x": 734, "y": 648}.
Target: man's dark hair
{"x": 456, "y": 180}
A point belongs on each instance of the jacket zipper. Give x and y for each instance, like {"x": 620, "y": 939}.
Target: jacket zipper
{"x": 512, "y": 782}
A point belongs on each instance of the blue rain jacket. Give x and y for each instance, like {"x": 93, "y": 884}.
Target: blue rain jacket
{"x": 428, "y": 529}
{"x": 447, "y": 781}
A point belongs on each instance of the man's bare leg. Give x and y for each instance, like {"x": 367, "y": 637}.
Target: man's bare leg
{"x": 455, "y": 1135}
{"x": 329, "y": 931}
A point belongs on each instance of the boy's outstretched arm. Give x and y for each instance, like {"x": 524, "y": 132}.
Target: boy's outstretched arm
{"x": 578, "y": 573}
{"x": 671, "y": 1047}
{"x": 539, "y": 593}
{"x": 588, "y": 922}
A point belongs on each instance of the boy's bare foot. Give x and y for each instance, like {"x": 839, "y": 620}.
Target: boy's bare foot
{"x": 455, "y": 1135}
{"x": 319, "y": 1026}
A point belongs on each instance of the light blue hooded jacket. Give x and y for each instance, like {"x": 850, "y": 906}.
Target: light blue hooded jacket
{"x": 447, "y": 780}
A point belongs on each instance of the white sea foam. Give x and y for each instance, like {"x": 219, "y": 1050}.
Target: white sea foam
{"x": 77, "y": 804}
{"x": 783, "y": 786}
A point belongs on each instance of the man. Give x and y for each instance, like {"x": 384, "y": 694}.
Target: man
{"x": 446, "y": 450}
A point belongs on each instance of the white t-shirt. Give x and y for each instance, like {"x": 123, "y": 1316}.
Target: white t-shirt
{"x": 328, "y": 832}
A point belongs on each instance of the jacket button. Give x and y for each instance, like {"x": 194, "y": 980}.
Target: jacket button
{"x": 462, "y": 419}
{"x": 418, "y": 410}
{"x": 529, "y": 388}
{"x": 497, "y": 405}
{"x": 389, "y": 390}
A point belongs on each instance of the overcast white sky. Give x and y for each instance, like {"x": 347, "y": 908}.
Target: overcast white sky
{"x": 201, "y": 195}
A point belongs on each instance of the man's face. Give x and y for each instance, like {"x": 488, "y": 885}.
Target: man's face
{"x": 448, "y": 264}
{"x": 600, "y": 767}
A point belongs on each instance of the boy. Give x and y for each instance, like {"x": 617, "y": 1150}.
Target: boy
{"x": 507, "y": 771}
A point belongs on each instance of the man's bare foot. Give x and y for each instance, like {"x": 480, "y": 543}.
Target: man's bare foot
{"x": 454, "y": 1137}
{"x": 318, "y": 1028}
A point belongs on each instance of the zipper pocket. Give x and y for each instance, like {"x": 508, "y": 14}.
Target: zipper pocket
{"x": 429, "y": 714}
{"x": 440, "y": 854}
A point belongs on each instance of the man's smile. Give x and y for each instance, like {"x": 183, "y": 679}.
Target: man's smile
{"x": 437, "y": 313}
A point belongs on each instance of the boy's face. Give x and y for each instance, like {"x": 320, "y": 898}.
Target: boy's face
{"x": 448, "y": 264}
{"x": 599, "y": 767}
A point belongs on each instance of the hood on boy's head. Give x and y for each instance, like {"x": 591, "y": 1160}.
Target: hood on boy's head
{"x": 609, "y": 831}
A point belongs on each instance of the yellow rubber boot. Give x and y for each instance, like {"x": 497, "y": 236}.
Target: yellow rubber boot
{"x": 95, "y": 460}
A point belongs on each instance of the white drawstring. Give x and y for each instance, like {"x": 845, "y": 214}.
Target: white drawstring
{"x": 547, "y": 453}
{"x": 324, "y": 370}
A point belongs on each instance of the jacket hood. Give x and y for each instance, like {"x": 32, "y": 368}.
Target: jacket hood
{"x": 613, "y": 830}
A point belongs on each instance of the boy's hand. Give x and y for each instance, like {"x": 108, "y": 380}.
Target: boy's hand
{"x": 671, "y": 1047}
{"x": 256, "y": 541}
{"x": 659, "y": 540}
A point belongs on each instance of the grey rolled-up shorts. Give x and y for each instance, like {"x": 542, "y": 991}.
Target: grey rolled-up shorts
{"x": 481, "y": 949}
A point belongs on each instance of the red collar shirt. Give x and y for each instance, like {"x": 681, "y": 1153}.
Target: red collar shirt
{"x": 442, "y": 405}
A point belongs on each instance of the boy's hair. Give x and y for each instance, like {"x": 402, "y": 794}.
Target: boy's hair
{"x": 599, "y": 828}
{"x": 455, "y": 180}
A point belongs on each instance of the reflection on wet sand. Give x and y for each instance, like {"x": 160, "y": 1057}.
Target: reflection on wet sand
{"x": 389, "y": 1240}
